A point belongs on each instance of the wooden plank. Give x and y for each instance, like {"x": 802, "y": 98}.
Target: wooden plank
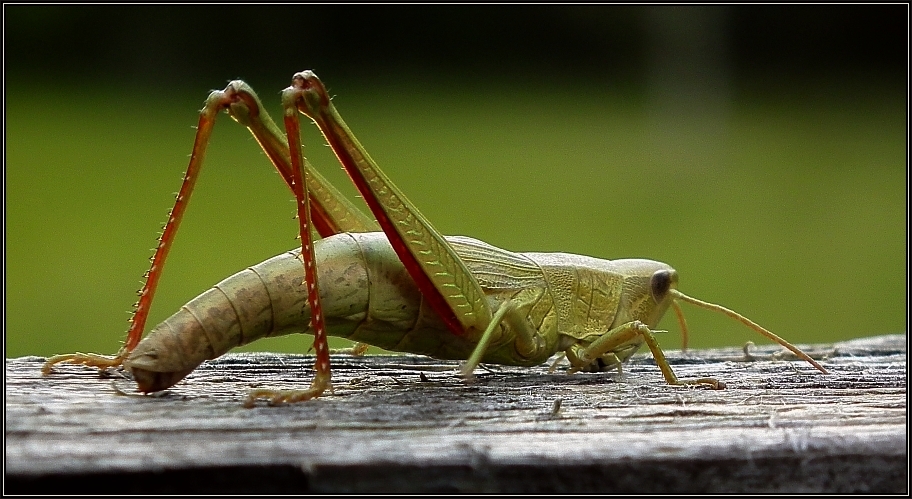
{"x": 411, "y": 424}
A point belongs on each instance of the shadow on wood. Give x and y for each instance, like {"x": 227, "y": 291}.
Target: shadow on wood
{"x": 411, "y": 424}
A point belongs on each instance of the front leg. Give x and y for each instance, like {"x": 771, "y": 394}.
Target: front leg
{"x": 611, "y": 341}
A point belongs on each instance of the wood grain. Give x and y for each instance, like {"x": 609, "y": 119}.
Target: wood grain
{"x": 411, "y": 424}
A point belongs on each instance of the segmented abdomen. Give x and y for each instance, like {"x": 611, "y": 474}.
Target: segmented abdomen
{"x": 366, "y": 292}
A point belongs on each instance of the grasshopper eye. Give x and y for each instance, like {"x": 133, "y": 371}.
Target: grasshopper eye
{"x": 662, "y": 281}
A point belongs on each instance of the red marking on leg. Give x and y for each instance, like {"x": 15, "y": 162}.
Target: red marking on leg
{"x": 298, "y": 185}
{"x": 146, "y": 294}
{"x": 435, "y": 299}
{"x": 303, "y": 83}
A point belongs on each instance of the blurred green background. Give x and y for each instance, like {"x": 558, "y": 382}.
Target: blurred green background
{"x": 760, "y": 150}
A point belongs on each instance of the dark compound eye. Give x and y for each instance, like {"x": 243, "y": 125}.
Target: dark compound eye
{"x": 662, "y": 280}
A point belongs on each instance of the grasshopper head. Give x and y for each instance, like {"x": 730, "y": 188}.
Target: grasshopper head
{"x": 661, "y": 282}
{"x": 647, "y": 291}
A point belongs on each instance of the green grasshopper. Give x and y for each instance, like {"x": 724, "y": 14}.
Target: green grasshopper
{"x": 395, "y": 283}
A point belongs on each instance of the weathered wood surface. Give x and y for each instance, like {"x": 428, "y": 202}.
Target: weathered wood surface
{"x": 410, "y": 424}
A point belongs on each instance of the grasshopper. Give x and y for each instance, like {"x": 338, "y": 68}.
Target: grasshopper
{"x": 395, "y": 283}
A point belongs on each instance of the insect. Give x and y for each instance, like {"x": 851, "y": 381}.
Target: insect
{"x": 396, "y": 282}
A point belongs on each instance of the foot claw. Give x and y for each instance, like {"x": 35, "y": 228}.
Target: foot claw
{"x": 279, "y": 397}
{"x": 712, "y": 383}
{"x": 87, "y": 359}
{"x": 357, "y": 350}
